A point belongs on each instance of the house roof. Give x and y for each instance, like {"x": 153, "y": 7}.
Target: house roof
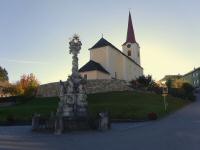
{"x": 130, "y": 38}
{"x": 171, "y": 77}
{"x": 103, "y": 42}
{"x": 195, "y": 69}
{"x": 91, "y": 66}
{"x": 4, "y": 84}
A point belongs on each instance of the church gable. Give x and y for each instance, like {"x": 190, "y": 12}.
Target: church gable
{"x": 103, "y": 43}
{"x": 119, "y": 64}
{"x": 91, "y": 66}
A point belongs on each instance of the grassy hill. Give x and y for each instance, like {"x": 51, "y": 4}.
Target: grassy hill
{"x": 121, "y": 105}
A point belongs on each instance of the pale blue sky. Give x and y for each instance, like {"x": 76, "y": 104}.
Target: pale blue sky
{"x": 34, "y": 34}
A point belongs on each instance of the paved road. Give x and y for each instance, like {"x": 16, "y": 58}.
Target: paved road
{"x": 179, "y": 131}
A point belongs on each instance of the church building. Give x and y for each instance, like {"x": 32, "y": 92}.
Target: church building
{"x": 108, "y": 62}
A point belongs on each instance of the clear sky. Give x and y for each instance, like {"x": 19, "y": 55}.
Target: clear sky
{"x": 34, "y": 34}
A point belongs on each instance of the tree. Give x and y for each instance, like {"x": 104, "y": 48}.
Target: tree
{"x": 169, "y": 83}
{"x": 3, "y": 74}
{"x": 178, "y": 83}
{"x": 188, "y": 88}
{"x": 145, "y": 81}
{"x": 182, "y": 89}
{"x": 27, "y": 85}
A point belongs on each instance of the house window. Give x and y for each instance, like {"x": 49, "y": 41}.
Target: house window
{"x": 129, "y": 53}
{"x": 85, "y": 76}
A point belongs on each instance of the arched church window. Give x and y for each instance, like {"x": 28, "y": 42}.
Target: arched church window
{"x": 138, "y": 54}
{"x": 129, "y": 53}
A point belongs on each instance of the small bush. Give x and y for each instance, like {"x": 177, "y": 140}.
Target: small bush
{"x": 152, "y": 116}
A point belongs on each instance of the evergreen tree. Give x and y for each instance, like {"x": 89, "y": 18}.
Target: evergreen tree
{"x": 3, "y": 74}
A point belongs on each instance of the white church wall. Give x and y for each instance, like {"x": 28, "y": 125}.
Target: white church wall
{"x": 110, "y": 59}
{"x": 100, "y": 55}
{"x": 131, "y": 70}
{"x": 91, "y": 75}
{"x": 118, "y": 65}
{"x": 101, "y": 75}
{"x": 135, "y": 51}
{"x": 115, "y": 65}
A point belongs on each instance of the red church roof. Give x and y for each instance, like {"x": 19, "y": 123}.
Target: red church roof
{"x": 130, "y": 32}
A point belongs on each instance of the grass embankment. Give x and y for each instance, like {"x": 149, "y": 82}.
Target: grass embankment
{"x": 121, "y": 105}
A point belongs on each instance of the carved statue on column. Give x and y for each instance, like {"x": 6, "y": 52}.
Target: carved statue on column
{"x": 72, "y": 94}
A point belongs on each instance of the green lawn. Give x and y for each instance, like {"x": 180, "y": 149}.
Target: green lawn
{"x": 121, "y": 105}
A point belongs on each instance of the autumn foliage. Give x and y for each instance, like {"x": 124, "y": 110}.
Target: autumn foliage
{"x": 27, "y": 85}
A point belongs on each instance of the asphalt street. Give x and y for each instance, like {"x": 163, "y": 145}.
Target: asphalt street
{"x": 178, "y": 131}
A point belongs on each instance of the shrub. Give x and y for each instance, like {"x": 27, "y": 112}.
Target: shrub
{"x": 143, "y": 82}
{"x": 183, "y": 90}
{"x": 188, "y": 88}
{"x": 146, "y": 83}
{"x": 155, "y": 88}
{"x": 191, "y": 97}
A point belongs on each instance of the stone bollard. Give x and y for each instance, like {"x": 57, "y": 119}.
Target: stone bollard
{"x": 104, "y": 121}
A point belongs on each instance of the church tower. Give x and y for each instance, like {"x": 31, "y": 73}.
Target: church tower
{"x": 131, "y": 47}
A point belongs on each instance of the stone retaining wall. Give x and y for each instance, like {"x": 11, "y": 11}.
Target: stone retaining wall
{"x": 92, "y": 86}
{"x": 48, "y": 90}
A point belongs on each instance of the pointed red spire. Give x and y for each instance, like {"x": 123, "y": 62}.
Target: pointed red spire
{"x": 130, "y": 32}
